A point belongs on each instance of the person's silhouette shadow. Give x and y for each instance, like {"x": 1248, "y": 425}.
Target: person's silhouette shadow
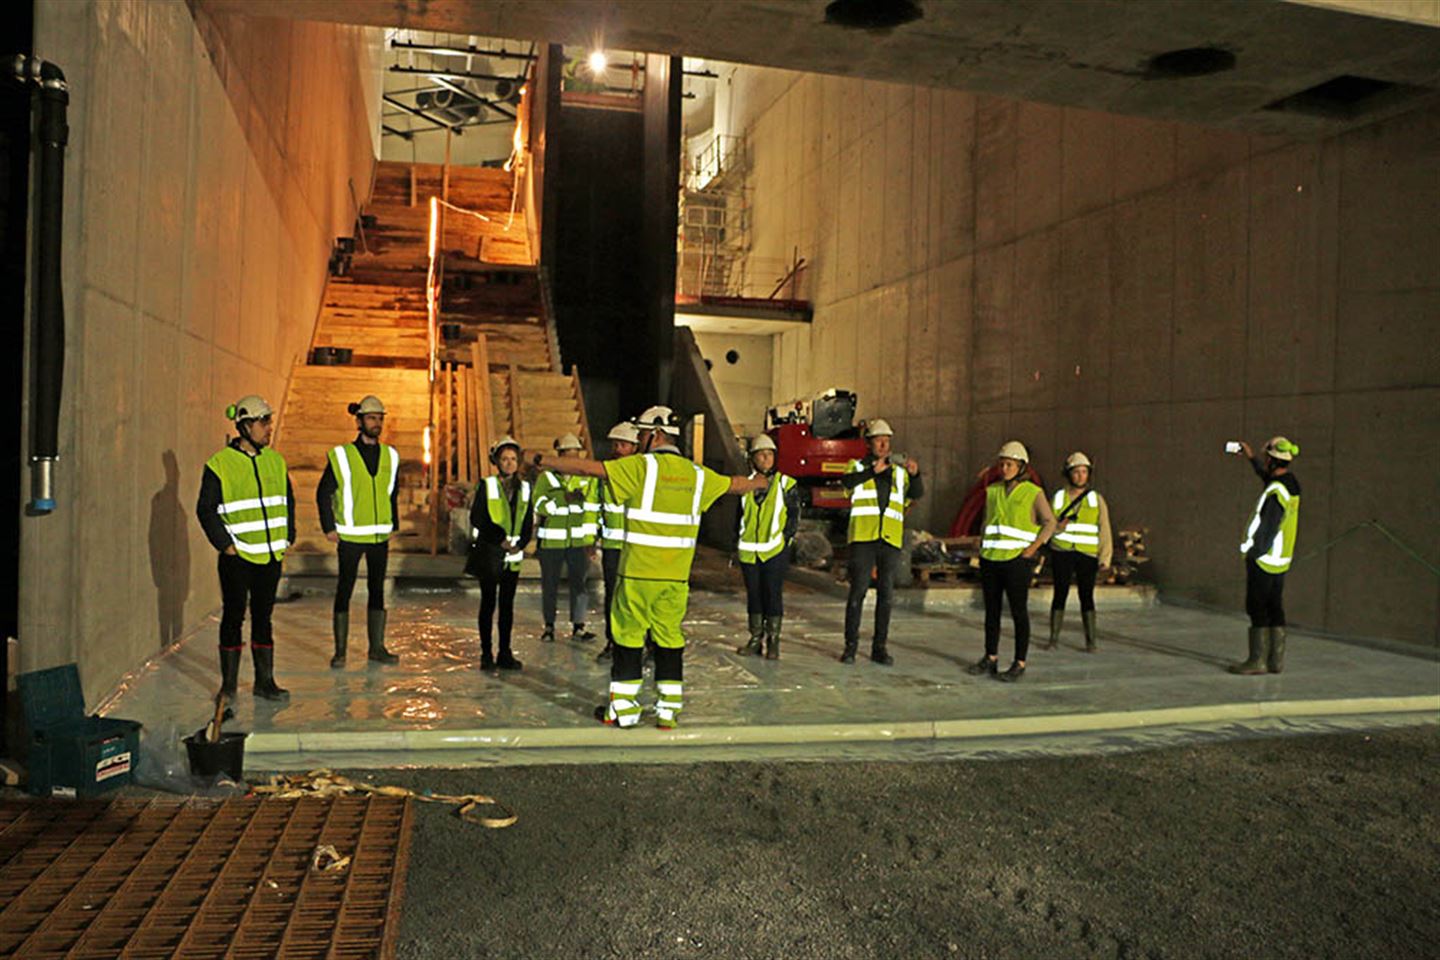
{"x": 169, "y": 553}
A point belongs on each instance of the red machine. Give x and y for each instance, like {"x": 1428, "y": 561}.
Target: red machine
{"x": 816, "y": 440}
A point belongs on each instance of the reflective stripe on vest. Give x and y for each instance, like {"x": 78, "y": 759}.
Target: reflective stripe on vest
{"x": 1082, "y": 533}
{"x": 253, "y": 502}
{"x": 498, "y": 507}
{"x": 1010, "y": 524}
{"x": 1281, "y": 552}
{"x": 765, "y": 520}
{"x": 867, "y": 520}
{"x": 660, "y": 544}
{"x": 612, "y": 520}
{"x": 362, "y": 514}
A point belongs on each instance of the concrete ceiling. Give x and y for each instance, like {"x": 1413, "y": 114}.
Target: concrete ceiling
{"x": 1083, "y": 53}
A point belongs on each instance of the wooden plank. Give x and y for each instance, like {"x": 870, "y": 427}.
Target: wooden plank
{"x": 584, "y": 420}
{"x": 484, "y": 410}
{"x": 515, "y": 421}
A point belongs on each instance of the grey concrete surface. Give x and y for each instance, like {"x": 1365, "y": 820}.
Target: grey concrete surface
{"x": 1300, "y": 847}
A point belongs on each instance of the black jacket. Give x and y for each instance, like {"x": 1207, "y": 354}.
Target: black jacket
{"x": 1272, "y": 513}
{"x": 491, "y": 534}
{"x": 207, "y": 507}
{"x": 329, "y": 483}
{"x": 915, "y": 489}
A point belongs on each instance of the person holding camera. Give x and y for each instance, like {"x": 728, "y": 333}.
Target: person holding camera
{"x": 500, "y": 525}
{"x": 1269, "y": 548}
{"x": 879, "y": 496}
{"x": 1080, "y": 549}
{"x": 356, "y": 499}
{"x": 769, "y": 519}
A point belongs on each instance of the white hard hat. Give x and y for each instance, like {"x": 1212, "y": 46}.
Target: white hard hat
{"x": 624, "y": 431}
{"x": 568, "y": 441}
{"x": 878, "y": 428}
{"x": 659, "y": 418}
{"x": 1077, "y": 459}
{"x": 249, "y": 408}
{"x": 1014, "y": 450}
{"x": 762, "y": 442}
{"x": 501, "y": 444}
{"x": 1281, "y": 449}
{"x": 370, "y": 404}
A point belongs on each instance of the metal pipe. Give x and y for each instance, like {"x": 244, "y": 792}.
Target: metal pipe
{"x": 460, "y": 51}
{"x": 403, "y": 134}
{"x": 416, "y": 112}
{"x": 489, "y": 104}
{"x": 47, "y": 356}
{"x": 454, "y": 74}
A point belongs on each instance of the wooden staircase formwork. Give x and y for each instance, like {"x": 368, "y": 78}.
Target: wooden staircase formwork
{"x": 496, "y": 371}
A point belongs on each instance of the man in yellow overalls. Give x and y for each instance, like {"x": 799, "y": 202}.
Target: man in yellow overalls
{"x": 664, "y": 495}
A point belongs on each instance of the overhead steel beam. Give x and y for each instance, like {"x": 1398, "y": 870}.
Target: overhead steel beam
{"x": 460, "y": 51}
{"x": 484, "y": 102}
{"x": 454, "y": 74}
{"x": 416, "y": 111}
{"x": 402, "y": 134}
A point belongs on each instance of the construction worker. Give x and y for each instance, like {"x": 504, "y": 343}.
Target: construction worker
{"x": 567, "y": 521}
{"x": 1018, "y": 522}
{"x": 356, "y": 497}
{"x": 624, "y": 441}
{"x": 500, "y": 526}
{"x": 768, "y": 521}
{"x": 1080, "y": 548}
{"x": 1269, "y": 547}
{"x": 247, "y": 510}
{"x": 879, "y": 497}
{"x": 664, "y": 495}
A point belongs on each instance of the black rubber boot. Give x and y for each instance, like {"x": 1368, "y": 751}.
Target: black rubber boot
{"x": 1012, "y": 675}
{"x": 265, "y": 686}
{"x": 487, "y": 660}
{"x": 756, "y": 646}
{"x": 848, "y": 654}
{"x": 341, "y": 624}
{"x": 1057, "y": 623}
{"x": 772, "y": 637}
{"x": 1276, "y": 661}
{"x": 1256, "y": 663}
{"x": 880, "y": 655}
{"x": 507, "y": 661}
{"x": 229, "y": 672}
{"x": 606, "y": 652}
{"x": 375, "y": 627}
{"x": 985, "y": 665}
{"x": 1087, "y": 617}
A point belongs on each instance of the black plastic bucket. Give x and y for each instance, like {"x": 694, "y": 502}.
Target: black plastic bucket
{"x": 227, "y": 756}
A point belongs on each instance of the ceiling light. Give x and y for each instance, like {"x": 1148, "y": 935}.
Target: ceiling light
{"x": 597, "y": 61}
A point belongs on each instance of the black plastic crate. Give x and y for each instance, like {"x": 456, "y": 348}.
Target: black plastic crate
{"x": 69, "y": 751}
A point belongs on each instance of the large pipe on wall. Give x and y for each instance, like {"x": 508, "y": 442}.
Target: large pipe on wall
{"x": 47, "y": 351}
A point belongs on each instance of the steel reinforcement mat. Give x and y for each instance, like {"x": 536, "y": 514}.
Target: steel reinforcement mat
{"x": 131, "y": 878}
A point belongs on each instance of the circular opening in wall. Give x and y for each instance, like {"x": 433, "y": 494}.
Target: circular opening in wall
{"x": 871, "y": 14}
{"x": 1190, "y": 62}
{"x": 709, "y": 364}
{"x": 732, "y": 357}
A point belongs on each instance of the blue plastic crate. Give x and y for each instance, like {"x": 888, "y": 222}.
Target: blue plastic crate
{"x": 68, "y": 750}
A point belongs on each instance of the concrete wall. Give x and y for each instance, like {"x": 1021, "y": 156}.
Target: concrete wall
{"x": 206, "y": 180}
{"x": 1144, "y": 291}
{"x": 744, "y": 385}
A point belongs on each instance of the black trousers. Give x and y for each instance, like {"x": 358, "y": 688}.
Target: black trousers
{"x": 765, "y": 585}
{"x": 554, "y": 563}
{"x": 610, "y": 568}
{"x": 1010, "y": 580}
{"x": 377, "y": 558}
{"x": 885, "y": 560}
{"x": 242, "y": 584}
{"x": 497, "y": 590}
{"x": 1264, "y": 596}
{"x": 1068, "y": 565}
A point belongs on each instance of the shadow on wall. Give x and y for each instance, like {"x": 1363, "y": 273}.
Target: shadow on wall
{"x": 169, "y": 553}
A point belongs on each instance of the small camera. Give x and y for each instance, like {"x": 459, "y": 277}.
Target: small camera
{"x": 1232, "y": 446}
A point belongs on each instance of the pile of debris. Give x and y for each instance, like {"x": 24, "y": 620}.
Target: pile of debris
{"x": 1129, "y": 555}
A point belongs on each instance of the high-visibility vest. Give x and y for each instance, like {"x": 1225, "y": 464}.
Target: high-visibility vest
{"x": 868, "y": 519}
{"x": 362, "y": 502}
{"x": 497, "y": 505}
{"x": 1010, "y": 524}
{"x": 254, "y": 502}
{"x": 612, "y": 519}
{"x": 1082, "y": 533}
{"x": 559, "y": 523}
{"x": 662, "y": 523}
{"x": 762, "y": 525}
{"x": 1281, "y": 550}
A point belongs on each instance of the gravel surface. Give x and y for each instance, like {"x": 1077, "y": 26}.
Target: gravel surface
{"x": 1294, "y": 847}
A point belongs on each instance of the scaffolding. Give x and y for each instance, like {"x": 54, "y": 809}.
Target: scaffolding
{"x": 714, "y": 240}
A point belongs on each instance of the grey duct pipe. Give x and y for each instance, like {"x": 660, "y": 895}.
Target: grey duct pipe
{"x": 47, "y": 351}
